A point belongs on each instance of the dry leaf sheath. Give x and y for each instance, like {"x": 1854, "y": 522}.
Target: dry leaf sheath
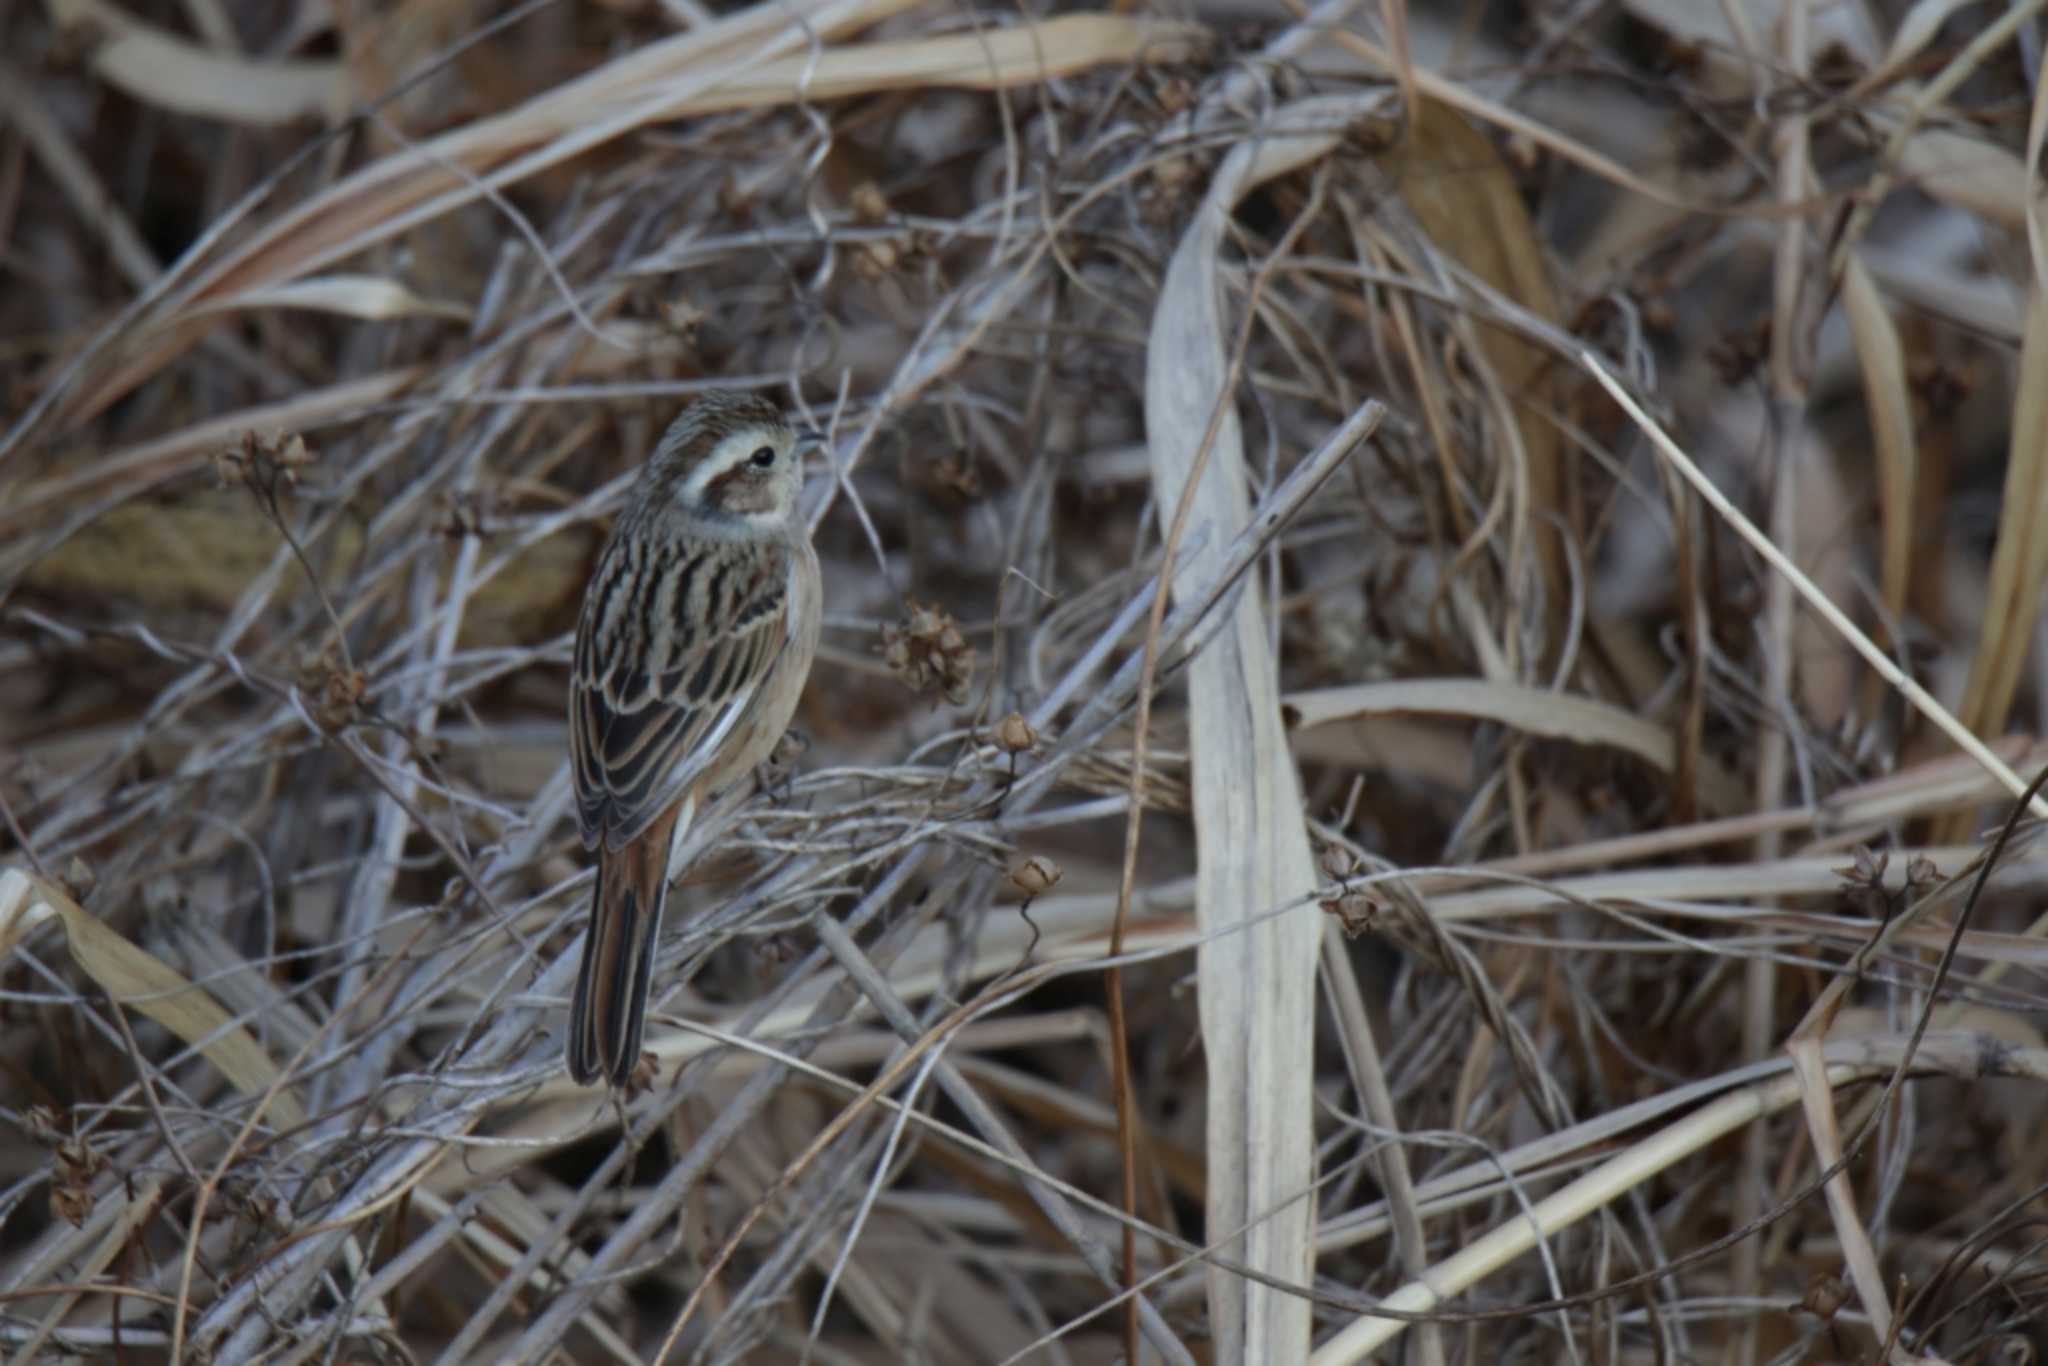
{"x": 696, "y": 635}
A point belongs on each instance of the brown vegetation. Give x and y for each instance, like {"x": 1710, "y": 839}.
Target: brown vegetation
{"x": 1492, "y": 827}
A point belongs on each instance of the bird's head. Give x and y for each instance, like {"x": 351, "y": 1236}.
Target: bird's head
{"x": 730, "y": 462}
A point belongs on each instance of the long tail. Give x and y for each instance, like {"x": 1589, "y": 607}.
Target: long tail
{"x": 610, "y": 1008}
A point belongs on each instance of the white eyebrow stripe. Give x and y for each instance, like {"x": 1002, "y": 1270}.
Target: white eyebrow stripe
{"x": 726, "y": 456}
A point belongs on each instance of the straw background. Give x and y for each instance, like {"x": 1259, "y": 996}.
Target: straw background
{"x": 1433, "y": 656}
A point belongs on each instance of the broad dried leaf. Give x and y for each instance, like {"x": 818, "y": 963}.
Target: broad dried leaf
{"x": 1451, "y": 179}
{"x": 1257, "y": 971}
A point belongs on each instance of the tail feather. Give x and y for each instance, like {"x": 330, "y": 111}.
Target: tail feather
{"x": 610, "y": 1008}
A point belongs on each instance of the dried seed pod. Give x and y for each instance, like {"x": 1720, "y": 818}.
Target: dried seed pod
{"x": 1355, "y": 911}
{"x": 684, "y": 318}
{"x": 79, "y": 879}
{"x": 265, "y": 462}
{"x": 335, "y": 692}
{"x": 1035, "y": 874}
{"x": 1825, "y": 1295}
{"x": 1338, "y": 862}
{"x": 1014, "y": 734}
{"x": 870, "y": 206}
{"x": 875, "y": 259}
{"x": 951, "y": 477}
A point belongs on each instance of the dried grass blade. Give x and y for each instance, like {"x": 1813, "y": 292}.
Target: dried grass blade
{"x": 75, "y": 174}
{"x": 186, "y": 448}
{"x": 1515, "y": 123}
{"x": 1817, "y": 1099}
{"x": 138, "y": 979}
{"x": 400, "y": 191}
{"x": 1460, "y": 192}
{"x": 1594, "y": 1191}
{"x": 695, "y": 74}
{"x": 162, "y": 69}
{"x": 2037, "y": 200}
{"x": 109, "y": 1230}
{"x": 1967, "y": 172}
{"x": 1922, "y": 701}
{"x": 353, "y": 296}
{"x": 1536, "y": 711}
{"x": 1885, "y": 389}
{"x": 1917, "y": 28}
{"x": 415, "y": 186}
{"x": 2019, "y": 561}
{"x": 994, "y": 60}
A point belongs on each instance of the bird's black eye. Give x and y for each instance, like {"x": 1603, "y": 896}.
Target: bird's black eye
{"x": 762, "y": 458}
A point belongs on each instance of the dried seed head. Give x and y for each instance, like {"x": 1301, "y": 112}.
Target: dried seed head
{"x": 1338, "y": 862}
{"x": 70, "y": 1197}
{"x": 1035, "y": 874}
{"x": 337, "y": 691}
{"x": 929, "y": 654}
{"x": 467, "y": 513}
{"x": 952, "y": 478}
{"x": 870, "y": 206}
{"x": 77, "y": 1167}
{"x": 777, "y": 951}
{"x": 1825, "y": 1295}
{"x": 1175, "y": 93}
{"x": 1014, "y": 734}
{"x": 79, "y": 878}
{"x": 263, "y": 462}
{"x": 340, "y": 696}
{"x": 875, "y": 259}
{"x": 682, "y": 317}
{"x": 41, "y": 1123}
{"x": 1355, "y": 911}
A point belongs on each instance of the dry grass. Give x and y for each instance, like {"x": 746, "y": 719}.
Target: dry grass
{"x": 1619, "y": 891}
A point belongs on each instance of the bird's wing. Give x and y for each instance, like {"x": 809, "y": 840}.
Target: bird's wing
{"x": 671, "y": 653}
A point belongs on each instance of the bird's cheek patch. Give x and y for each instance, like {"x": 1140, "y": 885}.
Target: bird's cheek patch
{"x": 741, "y": 490}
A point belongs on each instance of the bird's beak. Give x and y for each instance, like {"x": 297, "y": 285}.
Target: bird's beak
{"x": 810, "y": 444}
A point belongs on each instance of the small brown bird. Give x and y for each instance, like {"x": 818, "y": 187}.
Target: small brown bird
{"x": 697, "y": 633}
